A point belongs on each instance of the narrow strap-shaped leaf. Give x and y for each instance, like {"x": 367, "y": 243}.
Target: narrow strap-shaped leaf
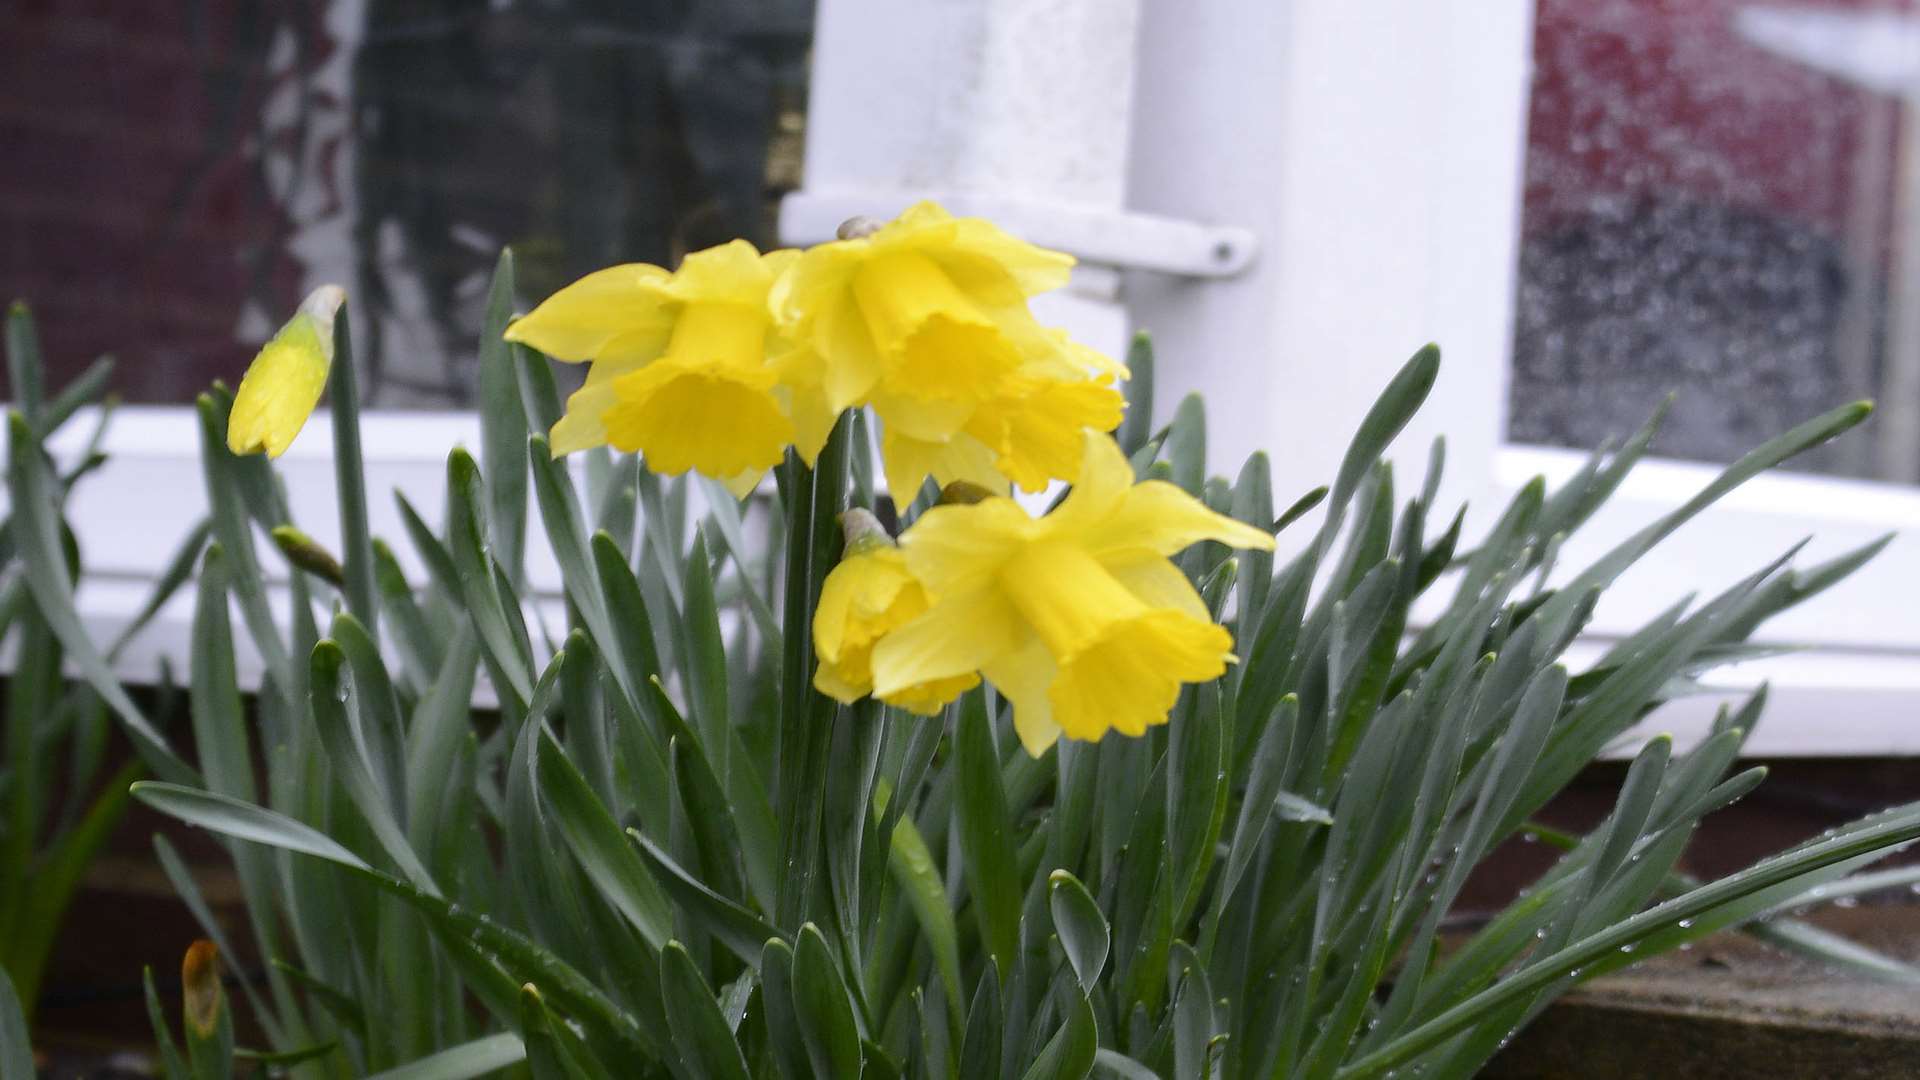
{"x": 233, "y": 509}
{"x": 229, "y": 816}
{"x": 918, "y": 876}
{"x": 503, "y": 426}
{"x": 26, "y": 366}
{"x": 1138, "y": 421}
{"x": 1675, "y": 918}
{"x": 178, "y": 569}
{"x": 85, "y": 387}
{"x": 1404, "y": 395}
{"x": 1192, "y": 1018}
{"x": 786, "y": 1046}
{"x": 1069, "y": 1054}
{"x": 630, "y": 652}
{"x": 704, "y": 672}
{"x": 184, "y": 886}
{"x": 601, "y": 847}
{"x": 980, "y": 1046}
{"x": 1186, "y": 446}
{"x": 329, "y": 704}
{"x": 539, "y": 395}
{"x": 37, "y": 534}
{"x": 174, "y": 1065}
{"x": 734, "y": 926}
{"x": 441, "y": 722}
{"x": 1113, "y": 1065}
{"x": 219, "y": 724}
{"x": 821, "y": 1006}
{"x": 436, "y": 556}
{"x": 814, "y": 499}
{"x": 985, "y": 841}
{"x": 350, "y": 475}
{"x": 700, "y": 1030}
{"x": 723, "y": 510}
{"x": 377, "y": 723}
{"x": 1608, "y": 567}
{"x": 522, "y": 957}
{"x": 1081, "y": 926}
{"x": 421, "y": 649}
{"x": 548, "y": 1056}
{"x": 566, "y": 532}
{"x": 481, "y": 1057}
{"x": 16, "y": 1050}
{"x": 468, "y": 544}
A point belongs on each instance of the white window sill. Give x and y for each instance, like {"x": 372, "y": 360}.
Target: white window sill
{"x": 1854, "y": 691}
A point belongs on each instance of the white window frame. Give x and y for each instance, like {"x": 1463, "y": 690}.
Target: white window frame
{"x": 1370, "y": 152}
{"x": 1384, "y": 181}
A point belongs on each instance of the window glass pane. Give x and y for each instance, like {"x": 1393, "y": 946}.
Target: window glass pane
{"x": 1721, "y": 201}
{"x": 176, "y": 176}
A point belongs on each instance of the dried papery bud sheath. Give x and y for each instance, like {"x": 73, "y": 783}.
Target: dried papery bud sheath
{"x": 200, "y": 987}
{"x": 209, "y": 1023}
{"x": 861, "y": 530}
{"x": 858, "y": 226}
{"x": 286, "y": 379}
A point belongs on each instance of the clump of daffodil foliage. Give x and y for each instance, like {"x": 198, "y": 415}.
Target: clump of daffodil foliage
{"x": 60, "y": 800}
{"x": 797, "y": 779}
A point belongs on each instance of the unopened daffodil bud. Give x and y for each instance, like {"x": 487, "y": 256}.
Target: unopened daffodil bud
{"x": 284, "y": 382}
{"x": 209, "y": 1022}
{"x": 869, "y": 593}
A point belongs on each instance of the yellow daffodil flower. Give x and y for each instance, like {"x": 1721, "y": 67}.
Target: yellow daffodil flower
{"x": 1078, "y": 617}
{"x": 869, "y": 593}
{"x": 925, "y": 318}
{"x": 1030, "y": 432}
{"x": 681, "y": 366}
{"x": 284, "y": 382}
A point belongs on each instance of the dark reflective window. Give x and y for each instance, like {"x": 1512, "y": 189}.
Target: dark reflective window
{"x": 176, "y": 176}
{"x": 1714, "y": 206}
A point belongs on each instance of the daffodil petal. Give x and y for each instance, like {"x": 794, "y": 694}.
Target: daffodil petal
{"x": 1023, "y": 676}
{"x": 1158, "y": 517}
{"x": 909, "y": 461}
{"x": 743, "y": 484}
{"x": 1130, "y": 678}
{"x": 686, "y": 417}
{"x": 1103, "y": 481}
{"x": 856, "y": 365}
{"x": 928, "y": 698}
{"x": 955, "y": 637}
{"x": 955, "y": 549}
{"x": 580, "y": 321}
{"x": 1158, "y": 583}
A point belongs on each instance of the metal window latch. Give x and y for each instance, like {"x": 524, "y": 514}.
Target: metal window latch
{"x": 1113, "y": 238}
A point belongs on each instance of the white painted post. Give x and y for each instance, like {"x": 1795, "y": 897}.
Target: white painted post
{"x": 1375, "y": 149}
{"x": 1016, "y": 108}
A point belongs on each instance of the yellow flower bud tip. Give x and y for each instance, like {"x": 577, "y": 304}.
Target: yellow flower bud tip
{"x": 284, "y": 382}
{"x": 963, "y": 493}
{"x": 200, "y": 987}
